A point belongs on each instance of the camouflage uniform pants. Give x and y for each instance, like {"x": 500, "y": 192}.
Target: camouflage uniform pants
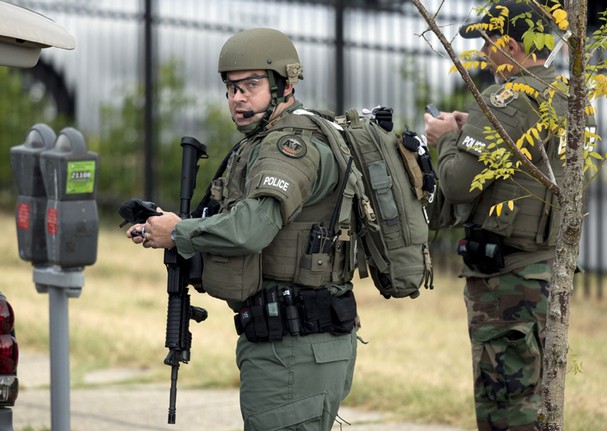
{"x": 506, "y": 321}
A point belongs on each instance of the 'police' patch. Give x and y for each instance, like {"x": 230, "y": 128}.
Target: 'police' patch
{"x": 292, "y": 146}
{"x": 276, "y": 182}
{"x": 472, "y": 145}
{"x": 502, "y": 97}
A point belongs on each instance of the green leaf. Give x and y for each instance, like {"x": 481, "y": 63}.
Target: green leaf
{"x": 538, "y": 40}
{"x": 528, "y": 39}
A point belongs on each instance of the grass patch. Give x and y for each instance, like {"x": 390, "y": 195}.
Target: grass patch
{"x": 416, "y": 365}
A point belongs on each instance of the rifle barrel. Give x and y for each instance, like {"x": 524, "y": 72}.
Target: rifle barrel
{"x": 173, "y": 393}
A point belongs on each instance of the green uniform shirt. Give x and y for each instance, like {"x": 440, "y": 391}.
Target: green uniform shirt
{"x": 252, "y": 224}
{"x": 458, "y": 153}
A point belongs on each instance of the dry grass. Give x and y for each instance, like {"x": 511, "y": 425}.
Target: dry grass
{"x": 416, "y": 364}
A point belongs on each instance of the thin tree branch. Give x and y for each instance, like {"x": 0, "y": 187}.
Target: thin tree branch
{"x": 553, "y": 187}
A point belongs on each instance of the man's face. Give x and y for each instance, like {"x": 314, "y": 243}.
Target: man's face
{"x": 496, "y": 58}
{"x": 248, "y": 91}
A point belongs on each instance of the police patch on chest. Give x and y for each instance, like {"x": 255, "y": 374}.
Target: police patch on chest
{"x": 502, "y": 97}
{"x": 292, "y": 146}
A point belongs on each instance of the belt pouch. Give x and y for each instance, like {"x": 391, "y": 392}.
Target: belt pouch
{"x": 308, "y": 311}
{"x": 325, "y": 319}
{"x": 344, "y": 313}
{"x": 273, "y": 315}
{"x": 258, "y": 327}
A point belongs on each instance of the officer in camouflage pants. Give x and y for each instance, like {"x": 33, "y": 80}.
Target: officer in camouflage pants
{"x": 508, "y": 254}
{"x": 506, "y": 320}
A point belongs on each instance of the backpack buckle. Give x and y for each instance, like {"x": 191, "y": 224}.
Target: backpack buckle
{"x": 369, "y": 213}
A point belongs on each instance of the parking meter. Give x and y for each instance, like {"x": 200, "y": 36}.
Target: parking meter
{"x": 72, "y": 223}
{"x": 31, "y": 202}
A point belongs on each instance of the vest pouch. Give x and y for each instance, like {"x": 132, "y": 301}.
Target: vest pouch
{"x": 314, "y": 270}
{"x": 341, "y": 272}
{"x": 232, "y": 278}
{"x": 502, "y": 224}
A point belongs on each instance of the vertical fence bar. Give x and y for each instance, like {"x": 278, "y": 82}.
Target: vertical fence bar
{"x": 148, "y": 120}
{"x": 340, "y": 82}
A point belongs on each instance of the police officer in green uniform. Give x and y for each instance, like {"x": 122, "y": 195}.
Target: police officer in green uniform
{"x": 508, "y": 256}
{"x": 266, "y": 253}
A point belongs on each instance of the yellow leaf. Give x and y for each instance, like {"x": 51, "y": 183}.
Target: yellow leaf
{"x": 511, "y": 205}
{"x": 498, "y": 209}
{"x": 529, "y": 139}
{"x": 559, "y": 15}
{"x": 491, "y": 210}
{"x": 526, "y": 153}
{"x": 520, "y": 141}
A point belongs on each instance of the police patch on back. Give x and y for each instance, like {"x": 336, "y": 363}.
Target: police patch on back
{"x": 292, "y": 146}
{"x": 502, "y": 97}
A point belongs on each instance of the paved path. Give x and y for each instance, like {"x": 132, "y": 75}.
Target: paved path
{"x": 115, "y": 407}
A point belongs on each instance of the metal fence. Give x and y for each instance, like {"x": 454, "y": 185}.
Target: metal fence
{"x": 355, "y": 54}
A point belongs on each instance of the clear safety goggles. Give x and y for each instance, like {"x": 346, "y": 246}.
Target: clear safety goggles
{"x": 246, "y": 86}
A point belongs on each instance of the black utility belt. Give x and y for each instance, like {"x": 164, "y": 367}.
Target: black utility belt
{"x": 272, "y": 313}
{"x": 483, "y": 250}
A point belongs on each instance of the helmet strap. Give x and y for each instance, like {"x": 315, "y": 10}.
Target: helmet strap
{"x": 277, "y": 89}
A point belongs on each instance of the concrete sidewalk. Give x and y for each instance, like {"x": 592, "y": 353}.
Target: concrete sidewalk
{"x": 110, "y": 406}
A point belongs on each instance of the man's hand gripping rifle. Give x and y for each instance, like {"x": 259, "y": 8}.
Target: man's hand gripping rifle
{"x": 178, "y": 336}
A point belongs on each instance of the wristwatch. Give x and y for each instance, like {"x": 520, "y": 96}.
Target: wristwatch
{"x": 174, "y": 235}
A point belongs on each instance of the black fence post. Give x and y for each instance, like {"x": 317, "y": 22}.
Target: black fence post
{"x": 340, "y": 82}
{"x": 148, "y": 120}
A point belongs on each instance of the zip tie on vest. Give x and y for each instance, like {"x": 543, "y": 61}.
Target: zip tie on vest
{"x": 557, "y": 48}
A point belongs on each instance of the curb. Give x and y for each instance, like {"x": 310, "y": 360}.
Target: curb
{"x": 112, "y": 406}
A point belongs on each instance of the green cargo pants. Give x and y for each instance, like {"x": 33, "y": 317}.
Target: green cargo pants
{"x": 295, "y": 384}
{"x": 506, "y": 321}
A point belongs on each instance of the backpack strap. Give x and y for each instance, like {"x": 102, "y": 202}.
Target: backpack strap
{"x": 355, "y": 185}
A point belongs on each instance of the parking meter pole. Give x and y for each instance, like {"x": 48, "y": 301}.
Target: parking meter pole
{"x": 60, "y": 359}
{"x": 60, "y": 285}
{"x": 58, "y": 228}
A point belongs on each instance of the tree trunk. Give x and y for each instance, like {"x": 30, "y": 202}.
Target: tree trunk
{"x": 572, "y": 205}
{"x": 567, "y": 248}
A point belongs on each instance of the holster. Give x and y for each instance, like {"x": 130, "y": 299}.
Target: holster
{"x": 483, "y": 250}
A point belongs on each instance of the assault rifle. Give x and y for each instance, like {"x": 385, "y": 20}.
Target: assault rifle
{"x": 179, "y": 270}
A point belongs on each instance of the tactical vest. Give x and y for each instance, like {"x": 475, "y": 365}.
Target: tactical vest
{"x": 287, "y": 258}
{"x": 533, "y": 222}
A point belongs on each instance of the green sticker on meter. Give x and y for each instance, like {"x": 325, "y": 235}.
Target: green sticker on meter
{"x": 80, "y": 177}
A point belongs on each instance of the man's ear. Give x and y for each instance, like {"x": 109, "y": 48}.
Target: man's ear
{"x": 515, "y": 48}
{"x": 288, "y": 89}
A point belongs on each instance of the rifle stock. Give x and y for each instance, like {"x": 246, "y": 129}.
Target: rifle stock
{"x": 178, "y": 336}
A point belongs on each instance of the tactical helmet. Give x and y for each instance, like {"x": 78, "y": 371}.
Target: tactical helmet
{"x": 261, "y": 49}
